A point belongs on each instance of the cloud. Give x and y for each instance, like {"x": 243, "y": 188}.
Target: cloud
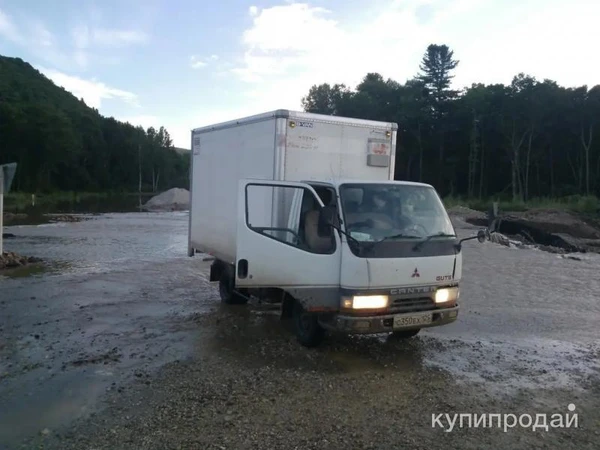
{"x": 290, "y": 47}
{"x": 197, "y": 63}
{"x": 180, "y": 128}
{"x": 8, "y": 29}
{"x": 80, "y": 35}
{"x": 84, "y": 37}
{"x": 92, "y": 91}
{"x": 83, "y": 45}
{"x": 116, "y": 38}
{"x": 144, "y": 120}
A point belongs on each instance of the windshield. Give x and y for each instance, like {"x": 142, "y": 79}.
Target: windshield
{"x": 373, "y": 212}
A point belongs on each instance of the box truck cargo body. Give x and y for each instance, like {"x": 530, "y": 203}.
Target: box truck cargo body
{"x": 281, "y": 145}
{"x": 301, "y": 209}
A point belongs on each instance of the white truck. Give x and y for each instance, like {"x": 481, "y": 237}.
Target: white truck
{"x": 302, "y": 210}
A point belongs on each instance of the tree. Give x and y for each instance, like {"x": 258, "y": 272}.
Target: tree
{"x": 436, "y": 74}
{"x": 326, "y": 99}
{"x": 525, "y": 139}
{"x": 62, "y": 144}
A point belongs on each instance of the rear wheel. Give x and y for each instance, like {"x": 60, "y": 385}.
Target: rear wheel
{"x": 405, "y": 334}
{"x": 227, "y": 289}
{"x": 308, "y": 331}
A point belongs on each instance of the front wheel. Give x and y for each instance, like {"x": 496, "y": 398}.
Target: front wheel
{"x": 405, "y": 334}
{"x": 308, "y": 331}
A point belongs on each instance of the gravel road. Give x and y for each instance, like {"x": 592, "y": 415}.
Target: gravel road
{"x": 124, "y": 345}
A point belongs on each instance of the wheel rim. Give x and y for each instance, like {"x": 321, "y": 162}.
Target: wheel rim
{"x": 304, "y": 323}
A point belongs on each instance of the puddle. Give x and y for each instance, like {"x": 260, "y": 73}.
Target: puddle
{"x": 25, "y": 271}
{"x": 512, "y": 366}
{"x": 72, "y": 396}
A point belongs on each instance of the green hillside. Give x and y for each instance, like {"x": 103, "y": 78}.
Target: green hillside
{"x": 61, "y": 144}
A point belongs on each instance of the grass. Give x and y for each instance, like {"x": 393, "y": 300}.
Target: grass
{"x": 575, "y": 203}
{"x": 17, "y": 202}
{"x": 21, "y": 200}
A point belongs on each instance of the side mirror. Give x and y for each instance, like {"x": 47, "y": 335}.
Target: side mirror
{"x": 326, "y": 219}
{"x": 483, "y": 235}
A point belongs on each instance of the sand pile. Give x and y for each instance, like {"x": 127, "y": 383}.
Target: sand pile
{"x": 175, "y": 199}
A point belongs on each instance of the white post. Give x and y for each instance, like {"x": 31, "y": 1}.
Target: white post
{"x": 1, "y": 218}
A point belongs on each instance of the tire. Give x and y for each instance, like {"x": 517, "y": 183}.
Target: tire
{"x": 308, "y": 331}
{"x": 405, "y": 334}
{"x": 227, "y": 291}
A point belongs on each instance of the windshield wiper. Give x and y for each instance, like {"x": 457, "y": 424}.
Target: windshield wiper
{"x": 393, "y": 236}
{"x": 431, "y": 236}
{"x": 398, "y": 236}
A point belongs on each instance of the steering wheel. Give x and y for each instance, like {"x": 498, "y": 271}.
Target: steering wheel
{"x": 417, "y": 227}
{"x": 362, "y": 224}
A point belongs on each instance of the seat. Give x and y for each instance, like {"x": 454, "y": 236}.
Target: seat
{"x": 316, "y": 243}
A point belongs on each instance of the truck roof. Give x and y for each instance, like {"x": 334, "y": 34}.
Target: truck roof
{"x": 299, "y": 115}
{"x": 339, "y": 182}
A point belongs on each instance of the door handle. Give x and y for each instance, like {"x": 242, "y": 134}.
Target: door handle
{"x": 242, "y": 268}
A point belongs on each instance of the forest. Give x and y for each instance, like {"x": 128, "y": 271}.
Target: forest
{"x": 527, "y": 140}
{"x": 61, "y": 144}
{"x": 530, "y": 139}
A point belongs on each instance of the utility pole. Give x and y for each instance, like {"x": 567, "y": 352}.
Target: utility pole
{"x": 7, "y": 173}
{"x": 140, "y": 176}
{"x": 473, "y": 157}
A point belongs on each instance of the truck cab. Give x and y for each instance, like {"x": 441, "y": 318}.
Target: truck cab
{"x": 348, "y": 255}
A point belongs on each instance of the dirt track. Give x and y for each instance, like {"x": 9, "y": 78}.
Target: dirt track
{"x": 120, "y": 348}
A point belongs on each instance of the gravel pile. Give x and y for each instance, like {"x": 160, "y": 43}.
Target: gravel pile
{"x": 175, "y": 199}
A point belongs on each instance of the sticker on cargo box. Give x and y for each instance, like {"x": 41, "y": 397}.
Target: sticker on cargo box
{"x": 379, "y": 147}
{"x": 305, "y": 124}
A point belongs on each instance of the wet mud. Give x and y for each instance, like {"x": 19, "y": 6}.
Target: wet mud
{"x": 123, "y": 343}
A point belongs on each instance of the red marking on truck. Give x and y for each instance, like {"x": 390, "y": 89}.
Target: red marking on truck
{"x": 415, "y": 274}
{"x": 380, "y": 149}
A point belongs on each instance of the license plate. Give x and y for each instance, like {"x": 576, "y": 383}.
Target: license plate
{"x": 414, "y": 320}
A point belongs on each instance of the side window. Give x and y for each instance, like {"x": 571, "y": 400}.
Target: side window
{"x": 328, "y": 197}
{"x": 289, "y": 215}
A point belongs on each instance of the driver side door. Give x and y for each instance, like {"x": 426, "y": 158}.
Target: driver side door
{"x": 272, "y": 251}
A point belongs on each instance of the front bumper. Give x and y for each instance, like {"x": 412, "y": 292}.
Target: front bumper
{"x": 385, "y": 323}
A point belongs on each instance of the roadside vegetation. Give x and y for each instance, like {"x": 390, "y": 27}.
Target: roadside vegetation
{"x": 61, "y": 144}
{"x": 531, "y": 143}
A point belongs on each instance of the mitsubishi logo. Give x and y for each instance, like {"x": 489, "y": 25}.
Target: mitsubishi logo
{"x": 415, "y": 274}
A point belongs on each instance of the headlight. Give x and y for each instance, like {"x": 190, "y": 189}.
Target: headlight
{"x": 365, "y": 302}
{"x": 446, "y": 294}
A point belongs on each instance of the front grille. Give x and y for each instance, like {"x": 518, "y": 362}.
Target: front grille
{"x": 402, "y": 305}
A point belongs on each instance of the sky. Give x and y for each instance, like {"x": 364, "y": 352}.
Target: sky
{"x": 184, "y": 64}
